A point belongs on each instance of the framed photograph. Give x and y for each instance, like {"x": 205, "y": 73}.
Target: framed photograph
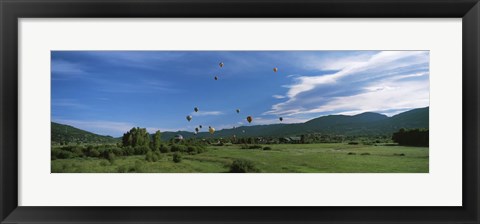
{"x": 239, "y": 112}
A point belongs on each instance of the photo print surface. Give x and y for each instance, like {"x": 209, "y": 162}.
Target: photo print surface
{"x": 240, "y": 111}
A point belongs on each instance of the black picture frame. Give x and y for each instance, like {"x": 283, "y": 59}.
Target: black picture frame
{"x": 12, "y": 10}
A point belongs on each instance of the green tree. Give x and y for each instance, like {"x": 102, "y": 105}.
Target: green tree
{"x": 177, "y": 157}
{"x": 136, "y": 137}
{"x": 156, "y": 141}
{"x": 411, "y": 137}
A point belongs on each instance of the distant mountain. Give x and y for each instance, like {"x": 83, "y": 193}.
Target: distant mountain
{"x": 363, "y": 124}
{"x": 65, "y": 133}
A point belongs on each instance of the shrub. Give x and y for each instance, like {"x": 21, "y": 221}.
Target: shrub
{"x": 352, "y": 153}
{"x": 94, "y": 153}
{"x": 149, "y": 156}
{"x": 152, "y": 156}
{"x": 245, "y": 146}
{"x": 195, "y": 149}
{"x": 365, "y": 154}
{"x": 157, "y": 156}
{"x": 192, "y": 150}
{"x": 164, "y": 148}
{"x": 201, "y": 149}
{"x": 177, "y": 157}
{"x": 243, "y": 166}
{"x": 128, "y": 151}
{"x": 77, "y": 151}
{"x": 117, "y": 151}
{"x": 178, "y": 148}
{"x": 353, "y": 143}
{"x": 54, "y": 153}
{"x": 267, "y": 148}
{"x": 399, "y": 154}
{"x": 62, "y": 154}
{"x": 141, "y": 150}
{"x": 111, "y": 157}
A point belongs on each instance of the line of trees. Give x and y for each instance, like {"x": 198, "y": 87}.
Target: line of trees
{"x": 411, "y": 137}
{"x": 137, "y": 141}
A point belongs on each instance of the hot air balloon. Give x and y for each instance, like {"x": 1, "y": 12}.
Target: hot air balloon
{"x": 221, "y": 64}
{"x": 195, "y": 133}
{"x": 195, "y": 109}
{"x": 280, "y": 118}
{"x": 189, "y": 117}
{"x": 216, "y": 78}
{"x": 238, "y": 111}
{"x": 275, "y": 69}
{"x": 249, "y": 119}
{"x": 200, "y": 126}
{"x": 196, "y": 129}
{"x": 211, "y": 130}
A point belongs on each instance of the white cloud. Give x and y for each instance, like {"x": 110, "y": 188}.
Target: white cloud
{"x": 379, "y": 83}
{"x": 64, "y": 70}
{"x": 332, "y": 62}
{"x": 306, "y": 83}
{"x": 70, "y": 103}
{"x": 286, "y": 120}
{"x": 207, "y": 113}
{"x": 278, "y": 96}
{"x": 152, "y": 130}
{"x": 401, "y": 95}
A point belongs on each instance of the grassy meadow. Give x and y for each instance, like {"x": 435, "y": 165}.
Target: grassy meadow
{"x": 272, "y": 158}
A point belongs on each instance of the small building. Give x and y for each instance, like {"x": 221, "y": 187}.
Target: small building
{"x": 290, "y": 140}
{"x": 178, "y": 138}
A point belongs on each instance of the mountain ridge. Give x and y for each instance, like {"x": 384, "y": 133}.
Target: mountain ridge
{"x": 363, "y": 124}
{"x": 62, "y": 133}
{"x": 367, "y": 123}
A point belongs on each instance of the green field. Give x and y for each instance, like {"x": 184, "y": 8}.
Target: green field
{"x": 282, "y": 158}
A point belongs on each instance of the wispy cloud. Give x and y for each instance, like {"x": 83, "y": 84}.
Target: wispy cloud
{"x": 136, "y": 59}
{"x": 286, "y": 120}
{"x": 65, "y": 70}
{"x": 333, "y": 61}
{"x": 380, "y": 82}
{"x": 152, "y": 130}
{"x": 306, "y": 83}
{"x": 279, "y": 96}
{"x": 137, "y": 86}
{"x": 207, "y": 113}
{"x": 378, "y": 99}
{"x": 70, "y": 103}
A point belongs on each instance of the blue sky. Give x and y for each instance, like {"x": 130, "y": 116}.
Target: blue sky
{"x": 109, "y": 92}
